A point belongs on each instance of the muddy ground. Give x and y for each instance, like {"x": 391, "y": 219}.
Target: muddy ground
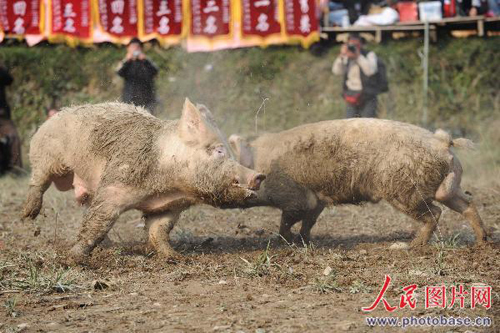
{"x": 237, "y": 276}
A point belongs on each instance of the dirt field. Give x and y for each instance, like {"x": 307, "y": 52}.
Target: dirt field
{"x": 233, "y": 279}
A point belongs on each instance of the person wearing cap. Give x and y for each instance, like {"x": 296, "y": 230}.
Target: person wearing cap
{"x": 138, "y": 73}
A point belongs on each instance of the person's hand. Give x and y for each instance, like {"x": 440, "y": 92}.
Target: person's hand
{"x": 352, "y": 55}
{"x": 343, "y": 50}
{"x": 129, "y": 56}
{"x": 141, "y": 56}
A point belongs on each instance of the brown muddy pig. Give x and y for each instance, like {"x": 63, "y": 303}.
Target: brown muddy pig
{"x": 356, "y": 160}
{"x": 118, "y": 157}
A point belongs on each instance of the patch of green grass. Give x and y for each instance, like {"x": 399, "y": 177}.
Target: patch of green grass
{"x": 358, "y": 287}
{"x": 451, "y": 242}
{"x": 439, "y": 261}
{"x": 262, "y": 264}
{"x": 266, "y": 264}
{"x": 326, "y": 284}
{"x": 29, "y": 274}
{"x": 443, "y": 245}
{"x": 10, "y": 307}
{"x": 303, "y": 249}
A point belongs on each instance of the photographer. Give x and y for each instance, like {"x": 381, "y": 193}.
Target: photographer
{"x": 357, "y": 66}
{"x": 138, "y": 72}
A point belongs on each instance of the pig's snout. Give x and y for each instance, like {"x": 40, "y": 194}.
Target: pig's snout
{"x": 255, "y": 181}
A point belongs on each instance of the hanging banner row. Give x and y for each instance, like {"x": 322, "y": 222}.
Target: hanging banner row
{"x": 199, "y": 25}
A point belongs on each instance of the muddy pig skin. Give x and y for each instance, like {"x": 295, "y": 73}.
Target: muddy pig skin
{"x": 356, "y": 160}
{"x": 118, "y": 157}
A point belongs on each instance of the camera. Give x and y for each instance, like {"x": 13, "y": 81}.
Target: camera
{"x": 136, "y": 54}
{"x": 352, "y": 48}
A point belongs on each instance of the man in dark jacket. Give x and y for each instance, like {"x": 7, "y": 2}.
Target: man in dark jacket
{"x": 138, "y": 72}
{"x": 10, "y": 144}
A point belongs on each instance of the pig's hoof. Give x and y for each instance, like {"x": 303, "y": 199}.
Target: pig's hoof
{"x": 33, "y": 204}
{"x": 171, "y": 257}
{"x": 287, "y": 238}
{"x": 399, "y": 246}
{"x": 30, "y": 212}
{"x": 299, "y": 240}
{"x": 74, "y": 261}
{"x": 418, "y": 244}
{"x": 482, "y": 244}
{"x": 76, "y": 256}
{"x": 482, "y": 240}
{"x": 143, "y": 249}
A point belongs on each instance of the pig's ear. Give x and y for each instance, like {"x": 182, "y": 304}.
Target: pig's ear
{"x": 233, "y": 141}
{"x": 205, "y": 111}
{"x": 241, "y": 148}
{"x": 192, "y": 126}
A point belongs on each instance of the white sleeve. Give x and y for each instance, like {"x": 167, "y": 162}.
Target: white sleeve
{"x": 368, "y": 64}
{"x": 120, "y": 65}
{"x": 339, "y": 65}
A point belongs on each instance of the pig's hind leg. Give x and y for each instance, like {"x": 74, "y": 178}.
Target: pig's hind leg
{"x": 44, "y": 173}
{"x": 429, "y": 214}
{"x": 159, "y": 227}
{"x": 462, "y": 204}
{"x": 425, "y": 212}
{"x": 450, "y": 194}
{"x": 39, "y": 183}
{"x": 34, "y": 200}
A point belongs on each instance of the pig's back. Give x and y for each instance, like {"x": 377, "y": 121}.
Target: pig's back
{"x": 86, "y": 136}
{"x": 77, "y": 126}
{"x": 344, "y": 159}
{"x": 356, "y": 133}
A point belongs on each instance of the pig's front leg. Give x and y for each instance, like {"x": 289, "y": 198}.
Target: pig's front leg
{"x": 288, "y": 219}
{"x": 102, "y": 213}
{"x": 159, "y": 227}
{"x": 309, "y": 220}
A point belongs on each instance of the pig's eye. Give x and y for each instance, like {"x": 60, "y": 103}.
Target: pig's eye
{"x": 219, "y": 152}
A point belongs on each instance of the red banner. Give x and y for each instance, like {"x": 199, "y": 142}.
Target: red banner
{"x": 260, "y": 17}
{"x": 162, "y": 18}
{"x": 300, "y": 17}
{"x": 210, "y": 18}
{"x": 118, "y": 18}
{"x": 20, "y": 17}
{"x": 203, "y": 25}
{"x": 71, "y": 18}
